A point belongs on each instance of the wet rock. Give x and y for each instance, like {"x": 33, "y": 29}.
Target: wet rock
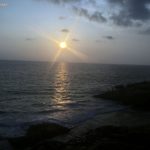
{"x": 37, "y": 134}
{"x": 45, "y": 131}
{"x": 49, "y": 145}
{"x": 136, "y": 95}
{"x": 5, "y": 145}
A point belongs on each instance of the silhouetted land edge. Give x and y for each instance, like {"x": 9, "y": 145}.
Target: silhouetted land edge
{"x": 44, "y": 136}
{"x": 41, "y": 137}
{"x": 136, "y": 95}
{"x": 38, "y": 133}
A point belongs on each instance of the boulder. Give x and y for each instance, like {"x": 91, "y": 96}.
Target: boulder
{"x": 5, "y": 145}
{"x": 37, "y": 134}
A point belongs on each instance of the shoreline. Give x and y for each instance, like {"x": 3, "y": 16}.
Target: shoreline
{"x": 64, "y": 136}
{"x": 135, "y": 95}
{"x": 129, "y": 128}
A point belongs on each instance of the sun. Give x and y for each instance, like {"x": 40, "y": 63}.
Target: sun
{"x": 63, "y": 45}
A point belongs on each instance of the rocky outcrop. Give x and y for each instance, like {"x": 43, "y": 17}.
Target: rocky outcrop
{"x": 5, "y": 145}
{"x": 37, "y": 134}
{"x": 104, "y": 138}
{"x": 136, "y": 95}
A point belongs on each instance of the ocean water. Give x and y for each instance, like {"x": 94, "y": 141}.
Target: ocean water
{"x": 33, "y": 92}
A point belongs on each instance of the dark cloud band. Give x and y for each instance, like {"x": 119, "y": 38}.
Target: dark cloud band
{"x": 95, "y": 16}
{"x": 109, "y": 37}
{"x": 122, "y": 12}
{"x": 130, "y": 11}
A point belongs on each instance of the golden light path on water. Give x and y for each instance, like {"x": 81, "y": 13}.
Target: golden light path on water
{"x": 61, "y": 85}
{"x": 61, "y": 82}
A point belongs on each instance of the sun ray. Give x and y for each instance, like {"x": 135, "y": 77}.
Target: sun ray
{"x": 49, "y": 37}
{"x": 56, "y": 56}
{"x": 72, "y": 28}
{"x": 78, "y": 54}
{"x": 44, "y": 35}
{"x": 64, "y": 45}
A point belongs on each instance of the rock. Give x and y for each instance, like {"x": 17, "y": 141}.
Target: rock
{"x": 5, "y": 145}
{"x": 104, "y": 138}
{"x": 37, "y": 134}
{"x": 45, "y": 131}
{"x": 136, "y": 95}
{"x": 49, "y": 145}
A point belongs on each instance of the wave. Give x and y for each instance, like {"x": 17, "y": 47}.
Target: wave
{"x": 50, "y": 111}
{"x": 27, "y": 93}
{"x": 2, "y": 112}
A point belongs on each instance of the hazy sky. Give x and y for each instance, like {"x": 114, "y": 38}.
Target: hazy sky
{"x": 107, "y": 31}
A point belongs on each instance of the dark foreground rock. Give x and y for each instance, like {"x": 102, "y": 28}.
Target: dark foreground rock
{"x": 111, "y": 137}
{"x": 37, "y": 133}
{"x": 103, "y": 138}
{"x": 136, "y": 95}
{"x": 5, "y": 145}
{"x": 48, "y": 145}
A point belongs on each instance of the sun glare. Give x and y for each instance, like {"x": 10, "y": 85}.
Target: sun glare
{"x": 63, "y": 45}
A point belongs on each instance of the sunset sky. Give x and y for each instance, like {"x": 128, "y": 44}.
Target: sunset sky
{"x": 106, "y": 31}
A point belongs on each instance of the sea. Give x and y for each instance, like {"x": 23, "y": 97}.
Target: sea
{"x": 35, "y": 92}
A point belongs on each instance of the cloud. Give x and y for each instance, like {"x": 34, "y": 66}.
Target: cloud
{"x": 65, "y": 30}
{"x": 3, "y": 5}
{"x": 109, "y": 37}
{"x": 75, "y": 40}
{"x": 130, "y": 11}
{"x": 120, "y": 12}
{"x": 145, "y": 31}
{"x": 62, "y": 18}
{"x": 93, "y": 2}
{"x": 60, "y": 1}
{"x": 29, "y": 39}
{"x": 96, "y": 16}
{"x": 98, "y": 41}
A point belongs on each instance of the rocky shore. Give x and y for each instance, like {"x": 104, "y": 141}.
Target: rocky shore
{"x": 50, "y": 137}
{"x": 118, "y": 130}
{"x": 136, "y": 95}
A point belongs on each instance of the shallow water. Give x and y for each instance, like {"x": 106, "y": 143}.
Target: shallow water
{"x": 32, "y": 92}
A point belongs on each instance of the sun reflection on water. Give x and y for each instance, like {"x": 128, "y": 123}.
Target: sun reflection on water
{"x": 61, "y": 84}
